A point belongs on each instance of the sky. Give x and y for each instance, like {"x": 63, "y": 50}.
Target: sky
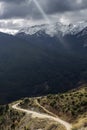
{"x": 17, "y": 14}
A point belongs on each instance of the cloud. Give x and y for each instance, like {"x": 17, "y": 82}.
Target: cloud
{"x": 15, "y": 13}
{"x": 21, "y": 8}
{"x": 13, "y": 1}
{"x": 60, "y": 6}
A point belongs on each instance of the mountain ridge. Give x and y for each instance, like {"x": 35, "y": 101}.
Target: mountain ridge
{"x": 53, "y": 29}
{"x": 40, "y": 64}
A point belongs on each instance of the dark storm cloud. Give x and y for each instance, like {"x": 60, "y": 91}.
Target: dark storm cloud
{"x": 57, "y": 6}
{"x": 13, "y": 1}
{"x": 21, "y": 9}
{"x": 11, "y": 11}
{"x": 16, "y": 14}
{"x": 60, "y": 6}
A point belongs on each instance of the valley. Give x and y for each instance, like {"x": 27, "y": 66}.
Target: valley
{"x": 43, "y": 65}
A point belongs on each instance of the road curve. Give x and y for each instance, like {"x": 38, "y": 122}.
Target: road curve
{"x": 43, "y": 116}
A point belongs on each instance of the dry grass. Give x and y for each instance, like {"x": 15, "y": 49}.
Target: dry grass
{"x": 80, "y": 123}
{"x": 38, "y": 124}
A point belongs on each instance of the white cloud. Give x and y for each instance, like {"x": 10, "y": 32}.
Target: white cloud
{"x": 9, "y": 31}
{"x": 78, "y": 1}
{"x": 14, "y": 25}
{"x": 64, "y": 20}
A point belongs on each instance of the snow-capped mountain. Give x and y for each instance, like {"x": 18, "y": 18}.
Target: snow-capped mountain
{"x": 55, "y": 29}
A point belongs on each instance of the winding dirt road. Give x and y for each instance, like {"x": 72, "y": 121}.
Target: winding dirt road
{"x": 42, "y": 116}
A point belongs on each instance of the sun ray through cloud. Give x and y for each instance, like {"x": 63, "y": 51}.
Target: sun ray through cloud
{"x": 40, "y": 9}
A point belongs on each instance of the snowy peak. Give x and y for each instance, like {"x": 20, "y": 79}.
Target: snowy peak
{"x": 32, "y": 30}
{"x": 50, "y": 29}
{"x": 55, "y": 29}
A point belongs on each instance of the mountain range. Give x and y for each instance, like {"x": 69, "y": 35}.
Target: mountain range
{"x": 42, "y": 59}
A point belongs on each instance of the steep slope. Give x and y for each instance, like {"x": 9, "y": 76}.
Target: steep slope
{"x": 39, "y": 63}
{"x": 72, "y": 36}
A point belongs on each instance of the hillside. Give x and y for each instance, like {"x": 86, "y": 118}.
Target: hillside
{"x": 71, "y": 103}
{"x": 70, "y": 106}
{"x": 36, "y": 66}
{"x": 11, "y": 119}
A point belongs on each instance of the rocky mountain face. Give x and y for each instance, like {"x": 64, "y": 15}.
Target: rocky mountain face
{"x": 53, "y": 29}
{"x": 64, "y": 34}
{"x": 42, "y": 59}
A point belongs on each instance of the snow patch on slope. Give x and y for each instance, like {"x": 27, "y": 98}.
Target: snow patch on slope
{"x": 55, "y": 29}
